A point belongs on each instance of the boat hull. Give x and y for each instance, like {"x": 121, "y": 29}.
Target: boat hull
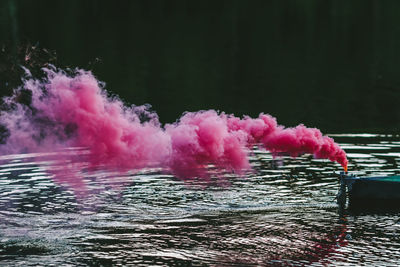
{"x": 373, "y": 192}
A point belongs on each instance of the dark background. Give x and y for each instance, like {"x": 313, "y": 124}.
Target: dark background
{"x": 334, "y": 64}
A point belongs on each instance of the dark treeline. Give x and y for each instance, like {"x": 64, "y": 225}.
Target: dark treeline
{"x": 333, "y": 64}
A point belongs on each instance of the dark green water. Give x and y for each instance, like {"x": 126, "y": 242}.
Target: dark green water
{"x": 283, "y": 214}
{"x": 330, "y": 64}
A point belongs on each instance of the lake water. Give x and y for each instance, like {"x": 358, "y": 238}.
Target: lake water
{"x": 284, "y": 213}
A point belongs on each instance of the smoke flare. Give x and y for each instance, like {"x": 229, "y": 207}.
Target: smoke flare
{"x": 73, "y": 110}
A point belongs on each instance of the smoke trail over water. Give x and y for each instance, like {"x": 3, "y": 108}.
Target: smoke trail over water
{"x": 73, "y": 110}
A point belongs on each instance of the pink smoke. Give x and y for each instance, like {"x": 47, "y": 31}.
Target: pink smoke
{"x": 74, "y": 111}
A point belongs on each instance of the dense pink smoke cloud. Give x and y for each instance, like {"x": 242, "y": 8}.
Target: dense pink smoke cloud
{"x": 75, "y": 111}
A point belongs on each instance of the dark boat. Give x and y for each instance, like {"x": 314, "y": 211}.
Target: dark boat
{"x": 369, "y": 192}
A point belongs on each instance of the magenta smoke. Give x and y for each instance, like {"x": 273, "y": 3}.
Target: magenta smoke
{"x": 73, "y": 110}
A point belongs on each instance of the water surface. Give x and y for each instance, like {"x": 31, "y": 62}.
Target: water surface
{"x": 284, "y": 213}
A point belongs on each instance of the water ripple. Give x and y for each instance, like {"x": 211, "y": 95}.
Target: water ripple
{"x": 282, "y": 214}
